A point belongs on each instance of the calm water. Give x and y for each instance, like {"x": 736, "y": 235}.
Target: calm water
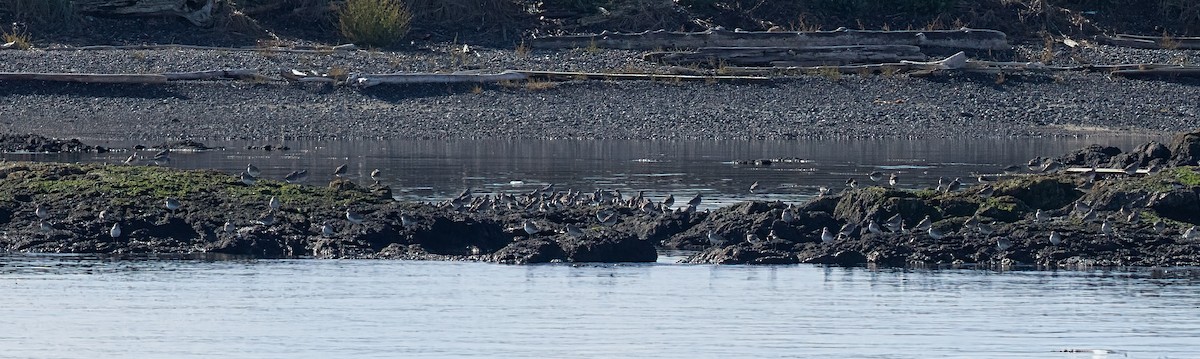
{"x": 63, "y": 307}
{"x": 439, "y": 169}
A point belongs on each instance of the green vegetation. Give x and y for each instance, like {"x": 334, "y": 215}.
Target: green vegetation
{"x": 377, "y": 23}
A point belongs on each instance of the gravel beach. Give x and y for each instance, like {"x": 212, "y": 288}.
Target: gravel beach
{"x": 806, "y": 106}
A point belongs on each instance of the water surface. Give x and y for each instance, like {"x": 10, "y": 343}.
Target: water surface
{"x": 65, "y": 307}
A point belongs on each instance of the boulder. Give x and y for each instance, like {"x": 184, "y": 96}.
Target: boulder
{"x": 1091, "y": 155}
{"x": 1185, "y": 149}
{"x": 607, "y": 249}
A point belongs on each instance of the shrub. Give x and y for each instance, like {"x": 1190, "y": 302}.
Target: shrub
{"x": 56, "y": 13}
{"x": 375, "y": 23}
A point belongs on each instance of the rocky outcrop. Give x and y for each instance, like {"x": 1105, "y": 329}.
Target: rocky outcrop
{"x": 1185, "y": 149}
{"x": 42, "y": 144}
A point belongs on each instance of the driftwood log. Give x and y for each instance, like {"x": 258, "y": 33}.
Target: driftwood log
{"x": 239, "y": 74}
{"x": 432, "y": 78}
{"x": 198, "y": 12}
{"x": 963, "y": 39}
{"x": 789, "y": 56}
{"x": 1154, "y": 42}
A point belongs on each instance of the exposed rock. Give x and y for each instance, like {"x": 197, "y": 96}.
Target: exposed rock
{"x": 41, "y": 144}
{"x": 1097, "y": 155}
{"x": 1185, "y": 149}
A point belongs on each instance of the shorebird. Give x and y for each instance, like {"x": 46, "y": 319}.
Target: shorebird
{"x": 669, "y": 201}
{"x": 1011, "y": 168}
{"x": 340, "y": 170}
{"x": 1134, "y": 216}
{"x": 1089, "y": 216}
{"x": 132, "y": 159}
{"x": 105, "y": 216}
{"x": 172, "y": 204}
{"x": 986, "y": 192}
{"x": 971, "y": 222}
{"x": 1081, "y": 207}
{"x": 874, "y": 228}
{"x": 162, "y": 157}
{"x": 1132, "y": 168}
{"x": 893, "y": 180}
{"x": 715, "y": 239}
{"x": 695, "y": 201}
{"x": 248, "y": 179}
{"x": 266, "y": 219}
{"x": 530, "y": 227}
{"x": 1155, "y": 168}
{"x": 984, "y": 179}
{"x": 924, "y": 224}
{"x": 1050, "y": 166}
{"x": 376, "y": 175}
{"x": 45, "y": 226}
{"x": 752, "y": 238}
{"x": 296, "y": 176}
{"x": 573, "y": 231}
{"x": 1004, "y": 244}
{"x": 253, "y": 170}
{"x": 1055, "y": 238}
{"x": 1041, "y": 216}
{"x": 115, "y": 231}
{"x": 1106, "y": 228}
{"x": 787, "y": 216}
{"x": 1191, "y": 233}
{"x": 41, "y": 212}
{"x": 847, "y": 230}
{"x": 407, "y": 221}
{"x": 986, "y": 228}
{"x": 753, "y": 186}
{"x": 936, "y": 233}
{"x": 327, "y": 230}
{"x": 941, "y": 184}
{"x": 354, "y": 217}
{"x": 851, "y": 183}
{"x": 1160, "y": 226}
{"x": 228, "y": 227}
{"x": 894, "y": 223}
{"x": 875, "y": 176}
{"x": 273, "y": 203}
{"x": 953, "y": 185}
{"x": 827, "y": 236}
{"x": 822, "y": 191}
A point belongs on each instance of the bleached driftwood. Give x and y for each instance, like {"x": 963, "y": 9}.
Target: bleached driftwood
{"x": 565, "y": 75}
{"x": 1153, "y": 42}
{"x": 198, "y": 12}
{"x": 1178, "y": 71}
{"x": 432, "y": 78}
{"x": 87, "y": 78}
{"x": 131, "y": 78}
{"x": 302, "y": 49}
{"x": 963, "y": 39}
{"x": 789, "y": 56}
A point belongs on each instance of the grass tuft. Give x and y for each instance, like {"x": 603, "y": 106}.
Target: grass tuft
{"x": 18, "y": 37}
{"x": 375, "y": 23}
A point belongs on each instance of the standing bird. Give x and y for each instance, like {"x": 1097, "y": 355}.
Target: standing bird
{"x": 530, "y": 227}
{"x": 172, "y": 204}
{"x": 115, "y": 231}
{"x": 267, "y": 219}
{"x": 327, "y": 230}
{"x": 893, "y": 180}
{"x": 1004, "y": 244}
{"x": 1049, "y": 166}
{"x": 924, "y": 224}
{"x": 1041, "y": 216}
{"x": 953, "y": 185}
{"x": 354, "y": 217}
{"x": 874, "y": 228}
{"x": 376, "y": 175}
{"x": 1132, "y": 168}
{"x": 41, "y": 212}
{"x": 669, "y": 201}
{"x": 936, "y": 233}
{"x": 247, "y": 179}
{"x": 1160, "y": 226}
{"x": 273, "y": 203}
{"x": 1055, "y": 238}
{"x": 875, "y": 176}
{"x": 715, "y": 239}
{"x": 296, "y": 176}
{"x": 851, "y": 183}
{"x": 253, "y": 170}
{"x": 132, "y": 159}
{"x": 984, "y": 179}
{"x": 1191, "y": 233}
{"x": 1106, "y": 228}
{"x": 407, "y": 220}
{"x": 340, "y": 170}
{"x": 827, "y": 236}
{"x": 986, "y": 192}
{"x": 895, "y": 223}
{"x": 787, "y": 216}
{"x": 695, "y": 201}
{"x": 228, "y": 227}
{"x": 753, "y": 186}
{"x": 45, "y": 226}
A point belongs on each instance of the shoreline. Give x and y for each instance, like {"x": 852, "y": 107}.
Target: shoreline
{"x": 788, "y": 107}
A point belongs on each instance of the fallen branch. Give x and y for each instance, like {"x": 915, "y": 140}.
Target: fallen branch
{"x": 788, "y": 56}
{"x": 963, "y": 39}
{"x": 213, "y": 74}
{"x": 86, "y": 78}
{"x": 561, "y": 75}
{"x": 301, "y": 50}
{"x": 1152, "y": 42}
{"x": 431, "y": 78}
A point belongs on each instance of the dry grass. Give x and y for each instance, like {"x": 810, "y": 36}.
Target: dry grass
{"x": 477, "y": 89}
{"x": 1000, "y": 79}
{"x": 539, "y": 85}
{"x": 19, "y": 37}
{"x": 375, "y": 23}
{"x": 522, "y": 50}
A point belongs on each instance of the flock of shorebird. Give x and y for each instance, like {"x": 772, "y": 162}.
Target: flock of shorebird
{"x": 546, "y": 198}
